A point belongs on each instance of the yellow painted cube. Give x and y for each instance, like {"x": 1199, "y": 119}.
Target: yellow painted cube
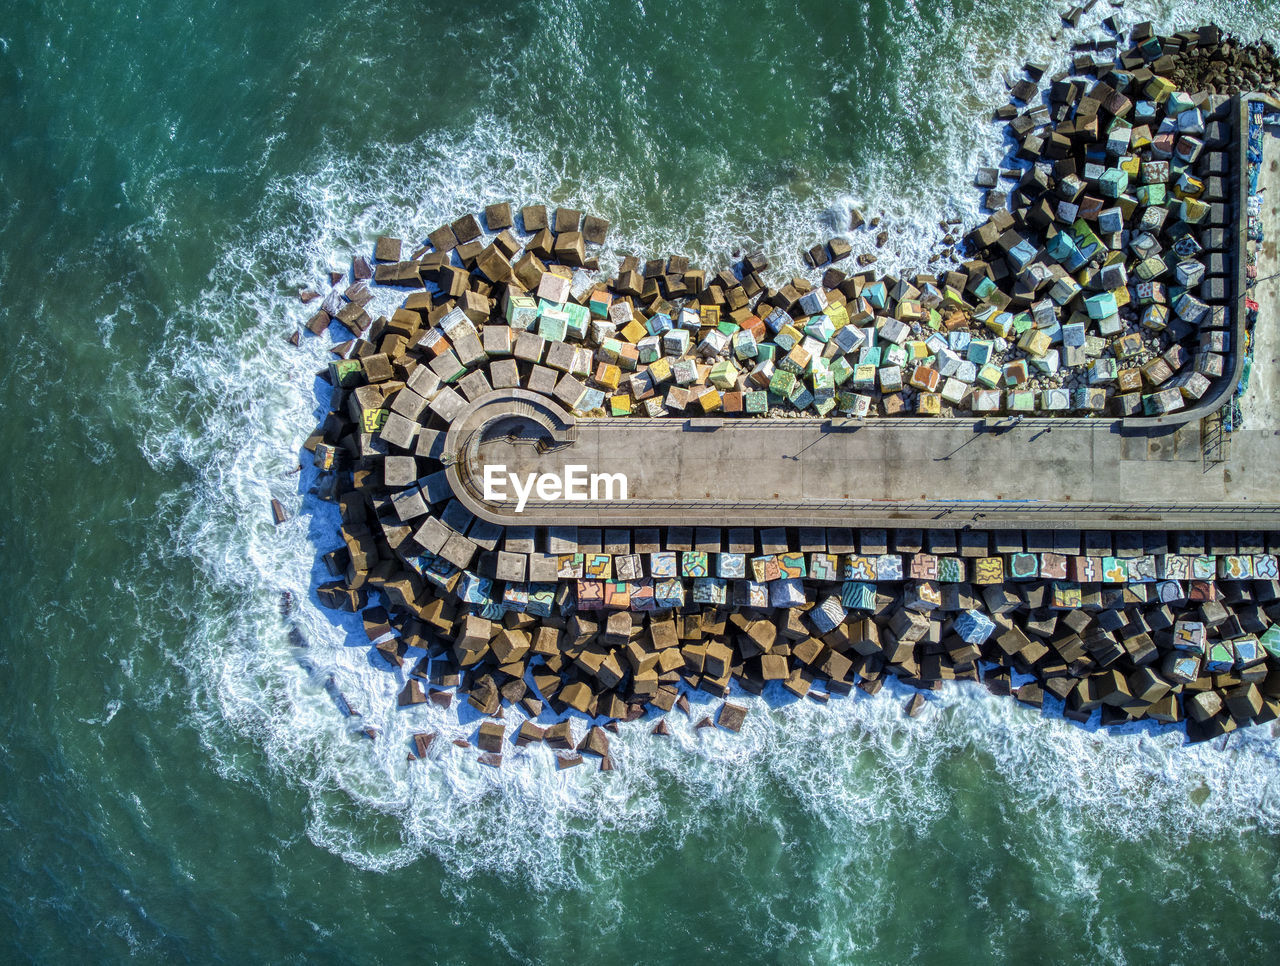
{"x": 634, "y": 331}
{"x": 608, "y": 376}
{"x": 709, "y": 400}
{"x": 789, "y": 331}
{"x": 928, "y": 404}
{"x": 620, "y": 405}
{"x": 1035, "y": 342}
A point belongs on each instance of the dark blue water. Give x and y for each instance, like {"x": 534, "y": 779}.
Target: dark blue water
{"x": 177, "y": 782}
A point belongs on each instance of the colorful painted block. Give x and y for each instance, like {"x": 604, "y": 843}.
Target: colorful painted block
{"x": 628, "y": 566}
{"x": 827, "y": 615}
{"x": 859, "y": 568}
{"x": 1174, "y": 566}
{"x": 515, "y": 598}
{"x": 824, "y": 566}
{"x": 1270, "y": 640}
{"x": 951, "y": 570}
{"x": 1221, "y": 657}
{"x": 617, "y": 595}
{"x": 1204, "y": 568}
{"x": 1235, "y": 567}
{"x": 1142, "y": 569}
{"x": 731, "y": 565}
{"x": 1249, "y": 652}
{"x": 1266, "y": 566}
{"x": 1024, "y": 566}
{"x": 988, "y": 571}
{"x": 974, "y": 627}
{"x": 694, "y": 563}
{"x": 923, "y": 595}
{"x": 641, "y": 595}
{"x": 475, "y": 589}
{"x": 1066, "y": 596}
{"x": 786, "y": 593}
{"x": 597, "y": 566}
{"x": 439, "y": 571}
{"x": 668, "y": 593}
{"x": 924, "y": 566}
{"x": 492, "y": 611}
{"x": 662, "y": 564}
{"x": 750, "y": 593}
{"x": 1170, "y": 591}
{"x": 542, "y": 600}
{"x": 569, "y": 566}
{"x": 1053, "y": 566}
{"x": 710, "y": 590}
{"x": 1114, "y": 570}
{"x": 1200, "y": 591}
{"x": 590, "y": 594}
{"x": 858, "y": 595}
{"x": 791, "y": 565}
{"x": 1189, "y": 636}
{"x": 1137, "y": 594}
{"x": 1086, "y": 570}
{"x": 765, "y": 569}
{"x": 889, "y": 566}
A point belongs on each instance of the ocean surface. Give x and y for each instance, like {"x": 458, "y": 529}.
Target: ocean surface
{"x": 176, "y": 783}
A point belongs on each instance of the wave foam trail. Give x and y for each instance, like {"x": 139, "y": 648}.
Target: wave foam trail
{"x": 234, "y": 405}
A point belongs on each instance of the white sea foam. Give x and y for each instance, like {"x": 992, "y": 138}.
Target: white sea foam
{"x": 235, "y": 405}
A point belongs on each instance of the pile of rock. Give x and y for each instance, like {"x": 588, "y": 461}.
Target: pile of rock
{"x": 1106, "y": 288}
{"x": 1108, "y": 278}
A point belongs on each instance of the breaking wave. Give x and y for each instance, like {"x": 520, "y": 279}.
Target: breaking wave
{"x": 234, "y": 403}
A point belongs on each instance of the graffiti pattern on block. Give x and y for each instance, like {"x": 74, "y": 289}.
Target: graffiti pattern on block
{"x": 628, "y": 566}
{"x": 598, "y": 566}
{"x": 731, "y": 566}
{"x": 1053, "y": 566}
{"x": 824, "y": 566}
{"x": 1067, "y": 595}
{"x": 765, "y": 569}
{"x": 889, "y": 566}
{"x": 859, "y": 568}
{"x": 668, "y": 593}
{"x": 1204, "y": 568}
{"x": 988, "y": 570}
{"x": 693, "y": 563}
{"x": 569, "y": 566}
{"x": 590, "y": 594}
{"x": 951, "y": 570}
{"x": 924, "y": 566}
{"x": 662, "y": 564}
{"x": 710, "y": 590}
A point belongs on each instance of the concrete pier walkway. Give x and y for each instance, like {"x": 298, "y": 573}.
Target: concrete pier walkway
{"x": 1043, "y": 473}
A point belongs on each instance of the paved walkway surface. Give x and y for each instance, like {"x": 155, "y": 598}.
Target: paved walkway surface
{"x": 753, "y": 472}
{"x": 1260, "y": 405}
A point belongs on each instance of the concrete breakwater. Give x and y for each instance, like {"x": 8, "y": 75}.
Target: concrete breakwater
{"x": 1110, "y": 286}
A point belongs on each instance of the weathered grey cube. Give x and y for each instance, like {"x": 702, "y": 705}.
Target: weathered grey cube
{"x": 511, "y": 567}
{"x": 398, "y": 431}
{"x": 399, "y": 471}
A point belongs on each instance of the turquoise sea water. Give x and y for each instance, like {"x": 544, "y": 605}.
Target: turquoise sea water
{"x": 177, "y": 783}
